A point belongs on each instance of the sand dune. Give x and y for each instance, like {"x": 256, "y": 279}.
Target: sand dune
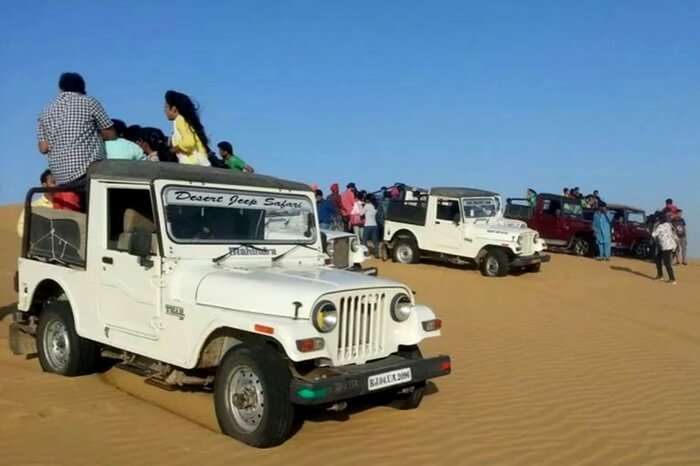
{"x": 585, "y": 363}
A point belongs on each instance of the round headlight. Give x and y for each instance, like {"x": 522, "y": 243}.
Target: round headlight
{"x": 325, "y": 316}
{"x": 401, "y": 307}
{"x": 354, "y": 244}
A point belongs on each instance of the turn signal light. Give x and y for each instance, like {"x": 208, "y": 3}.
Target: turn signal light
{"x": 446, "y": 366}
{"x": 264, "y": 329}
{"x": 432, "y": 325}
{"x": 308, "y": 345}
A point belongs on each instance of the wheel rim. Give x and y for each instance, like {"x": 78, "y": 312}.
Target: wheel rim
{"x": 404, "y": 253}
{"x": 57, "y": 345}
{"x": 245, "y": 396}
{"x": 492, "y": 265}
{"x": 581, "y": 247}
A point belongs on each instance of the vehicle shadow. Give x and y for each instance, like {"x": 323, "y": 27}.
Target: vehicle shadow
{"x": 617, "y": 268}
{"x": 355, "y": 406}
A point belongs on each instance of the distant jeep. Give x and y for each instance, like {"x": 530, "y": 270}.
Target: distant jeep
{"x": 631, "y": 234}
{"x": 559, "y": 220}
{"x": 196, "y": 277}
{"x": 345, "y": 251}
{"x": 461, "y": 225}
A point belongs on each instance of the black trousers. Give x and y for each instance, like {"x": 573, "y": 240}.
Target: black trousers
{"x": 665, "y": 257}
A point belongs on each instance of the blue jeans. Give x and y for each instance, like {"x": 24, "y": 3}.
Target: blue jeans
{"x": 373, "y": 234}
{"x": 604, "y": 249}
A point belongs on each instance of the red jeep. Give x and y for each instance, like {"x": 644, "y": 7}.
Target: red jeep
{"x": 630, "y": 232}
{"x": 559, "y": 221}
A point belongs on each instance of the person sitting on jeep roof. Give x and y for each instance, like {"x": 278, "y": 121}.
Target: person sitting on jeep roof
{"x": 231, "y": 160}
{"x": 46, "y": 200}
{"x": 121, "y": 148}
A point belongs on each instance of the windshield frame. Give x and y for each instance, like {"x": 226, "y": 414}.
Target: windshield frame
{"x": 496, "y": 199}
{"x": 639, "y": 212}
{"x": 237, "y": 190}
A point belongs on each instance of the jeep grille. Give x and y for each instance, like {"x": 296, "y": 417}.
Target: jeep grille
{"x": 526, "y": 241}
{"x": 361, "y": 326}
{"x": 341, "y": 249}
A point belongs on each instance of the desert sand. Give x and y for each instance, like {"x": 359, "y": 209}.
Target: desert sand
{"x": 585, "y": 363}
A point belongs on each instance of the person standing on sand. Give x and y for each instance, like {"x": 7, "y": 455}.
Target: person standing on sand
{"x": 602, "y": 229}
{"x": 348, "y": 199}
{"x": 666, "y": 244}
{"x": 679, "y": 227}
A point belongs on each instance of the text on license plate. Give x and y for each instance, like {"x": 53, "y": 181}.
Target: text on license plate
{"x": 387, "y": 379}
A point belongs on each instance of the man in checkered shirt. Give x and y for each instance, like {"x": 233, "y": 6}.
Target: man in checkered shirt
{"x": 72, "y": 130}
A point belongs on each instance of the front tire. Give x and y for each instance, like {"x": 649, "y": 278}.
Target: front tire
{"x": 495, "y": 263}
{"x": 61, "y": 350}
{"x": 533, "y": 268}
{"x": 406, "y": 251}
{"x": 413, "y": 398}
{"x": 251, "y": 396}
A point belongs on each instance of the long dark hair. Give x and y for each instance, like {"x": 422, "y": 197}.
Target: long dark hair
{"x": 159, "y": 143}
{"x": 190, "y": 112}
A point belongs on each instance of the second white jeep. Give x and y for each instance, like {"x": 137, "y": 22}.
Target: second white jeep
{"x": 461, "y": 225}
{"x": 192, "y": 276}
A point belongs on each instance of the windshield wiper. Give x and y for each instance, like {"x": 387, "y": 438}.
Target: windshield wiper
{"x": 232, "y": 251}
{"x": 280, "y": 256}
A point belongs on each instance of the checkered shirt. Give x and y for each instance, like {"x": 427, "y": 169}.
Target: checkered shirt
{"x": 71, "y": 126}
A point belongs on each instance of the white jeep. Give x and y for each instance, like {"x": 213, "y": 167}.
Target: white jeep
{"x": 461, "y": 225}
{"x": 345, "y": 251}
{"x": 191, "y": 276}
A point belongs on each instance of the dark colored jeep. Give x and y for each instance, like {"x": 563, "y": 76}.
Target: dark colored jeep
{"x": 631, "y": 234}
{"x": 559, "y": 220}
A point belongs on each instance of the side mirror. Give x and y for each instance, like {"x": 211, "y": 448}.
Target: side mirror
{"x": 457, "y": 219}
{"x": 324, "y": 241}
{"x": 140, "y": 244}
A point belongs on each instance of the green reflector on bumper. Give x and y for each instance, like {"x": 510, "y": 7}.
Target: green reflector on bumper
{"x": 310, "y": 393}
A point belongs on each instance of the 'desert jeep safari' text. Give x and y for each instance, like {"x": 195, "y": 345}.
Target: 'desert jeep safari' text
{"x": 461, "y": 225}
{"x": 190, "y": 276}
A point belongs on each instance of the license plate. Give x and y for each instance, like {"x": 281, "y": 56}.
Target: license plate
{"x": 387, "y": 379}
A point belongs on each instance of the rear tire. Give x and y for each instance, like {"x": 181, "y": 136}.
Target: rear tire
{"x": 494, "y": 263}
{"x": 406, "y": 251}
{"x": 251, "y": 396}
{"x": 61, "y": 350}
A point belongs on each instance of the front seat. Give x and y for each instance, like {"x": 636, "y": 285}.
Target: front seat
{"x": 134, "y": 221}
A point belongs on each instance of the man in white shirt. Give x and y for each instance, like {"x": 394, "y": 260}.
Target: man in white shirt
{"x": 369, "y": 212}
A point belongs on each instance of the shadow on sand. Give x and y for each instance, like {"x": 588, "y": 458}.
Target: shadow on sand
{"x": 633, "y": 272}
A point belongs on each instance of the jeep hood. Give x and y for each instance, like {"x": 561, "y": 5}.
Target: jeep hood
{"x": 502, "y": 227}
{"x": 274, "y": 290}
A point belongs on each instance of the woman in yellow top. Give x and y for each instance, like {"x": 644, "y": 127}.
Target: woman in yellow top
{"x": 189, "y": 141}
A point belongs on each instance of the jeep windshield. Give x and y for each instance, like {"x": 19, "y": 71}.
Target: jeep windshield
{"x": 200, "y": 215}
{"x": 479, "y": 207}
{"x": 635, "y": 216}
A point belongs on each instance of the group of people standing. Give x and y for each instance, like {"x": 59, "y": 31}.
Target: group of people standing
{"x": 356, "y": 211}
{"x": 668, "y": 231}
{"x": 74, "y": 131}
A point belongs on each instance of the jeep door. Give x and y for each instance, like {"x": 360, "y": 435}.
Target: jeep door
{"x": 548, "y": 221}
{"x": 129, "y": 297}
{"x": 445, "y": 222}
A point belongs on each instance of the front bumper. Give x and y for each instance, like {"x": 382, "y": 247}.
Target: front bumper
{"x": 524, "y": 261}
{"x": 353, "y": 381}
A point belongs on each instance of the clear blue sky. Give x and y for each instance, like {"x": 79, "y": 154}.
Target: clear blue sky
{"x": 502, "y": 95}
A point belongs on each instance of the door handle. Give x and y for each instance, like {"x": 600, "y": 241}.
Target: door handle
{"x": 107, "y": 260}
